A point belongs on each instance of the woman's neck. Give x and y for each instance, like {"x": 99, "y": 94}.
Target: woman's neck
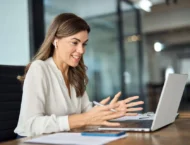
{"x": 64, "y": 70}
{"x": 63, "y": 67}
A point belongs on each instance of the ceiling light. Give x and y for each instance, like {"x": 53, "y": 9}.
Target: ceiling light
{"x": 144, "y": 5}
{"x": 158, "y": 46}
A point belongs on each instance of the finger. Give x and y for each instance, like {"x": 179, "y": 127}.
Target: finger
{"x": 131, "y": 99}
{"x": 116, "y": 97}
{"x": 113, "y": 106}
{"x": 105, "y": 101}
{"x": 122, "y": 109}
{"x": 134, "y": 104}
{"x": 131, "y": 114}
{"x": 106, "y": 123}
{"x": 134, "y": 109}
{"x": 108, "y": 107}
{"x": 113, "y": 116}
{"x": 105, "y": 108}
{"x": 106, "y": 113}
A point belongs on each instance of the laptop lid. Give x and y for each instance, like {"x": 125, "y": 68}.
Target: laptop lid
{"x": 169, "y": 100}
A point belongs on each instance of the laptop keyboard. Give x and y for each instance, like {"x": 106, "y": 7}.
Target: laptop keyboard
{"x": 136, "y": 124}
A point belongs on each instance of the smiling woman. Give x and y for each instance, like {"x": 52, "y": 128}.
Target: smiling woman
{"x": 67, "y": 55}
{"x": 54, "y": 97}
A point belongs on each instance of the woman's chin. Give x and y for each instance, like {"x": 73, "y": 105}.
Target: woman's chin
{"x": 74, "y": 64}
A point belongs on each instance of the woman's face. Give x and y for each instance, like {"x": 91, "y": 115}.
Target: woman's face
{"x": 70, "y": 49}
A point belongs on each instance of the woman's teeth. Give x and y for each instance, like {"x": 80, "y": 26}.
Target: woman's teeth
{"x": 77, "y": 57}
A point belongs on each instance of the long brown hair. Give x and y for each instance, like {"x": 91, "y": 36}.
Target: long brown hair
{"x": 64, "y": 25}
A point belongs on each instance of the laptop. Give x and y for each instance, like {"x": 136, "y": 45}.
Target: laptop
{"x": 166, "y": 110}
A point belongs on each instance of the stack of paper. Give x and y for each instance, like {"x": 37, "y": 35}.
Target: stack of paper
{"x": 73, "y": 138}
{"x": 137, "y": 117}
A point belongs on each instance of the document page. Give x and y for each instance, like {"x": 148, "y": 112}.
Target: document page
{"x": 73, "y": 138}
{"x": 137, "y": 117}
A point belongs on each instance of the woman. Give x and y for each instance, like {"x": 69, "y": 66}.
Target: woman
{"x": 54, "y": 97}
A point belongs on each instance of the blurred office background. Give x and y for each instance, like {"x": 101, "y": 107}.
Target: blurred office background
{"x": 132, "y": 47}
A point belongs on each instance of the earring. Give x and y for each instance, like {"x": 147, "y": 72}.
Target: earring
{"x": 55, "y": 44}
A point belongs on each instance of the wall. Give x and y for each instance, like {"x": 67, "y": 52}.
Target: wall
{"x": 169, "y": 25}
{"x": 163, "y": 17}
{"x": 14, "y": 38}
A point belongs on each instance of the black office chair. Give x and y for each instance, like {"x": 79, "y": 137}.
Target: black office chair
{"x": 10, "y": 100}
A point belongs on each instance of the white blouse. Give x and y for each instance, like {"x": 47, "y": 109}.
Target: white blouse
{"x": 46, "y": 103}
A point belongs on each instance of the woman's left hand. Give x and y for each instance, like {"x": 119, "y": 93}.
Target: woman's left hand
{"x": 125, "y": 105}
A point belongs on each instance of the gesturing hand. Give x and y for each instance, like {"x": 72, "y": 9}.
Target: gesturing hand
{"x": 101, "y": 114}
{"x": 125, "y": 105}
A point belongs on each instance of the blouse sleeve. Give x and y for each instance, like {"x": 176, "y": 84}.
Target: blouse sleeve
{"x": 86, "y": 104}
{"x": 34, "y": 119}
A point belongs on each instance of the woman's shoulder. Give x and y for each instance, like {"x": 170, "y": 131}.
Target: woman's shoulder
{"x": 43, "y": 67}
{"x": 38, "y": 66}
{"x": 38, "y": 63}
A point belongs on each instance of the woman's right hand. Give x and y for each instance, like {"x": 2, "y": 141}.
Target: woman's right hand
{"x": 100, "y": 115}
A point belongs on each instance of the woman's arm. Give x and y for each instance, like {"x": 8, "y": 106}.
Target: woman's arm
{"x": 96, "y": 116}
{"x": 86, "y": 105}
{"x": 33, "y": 120}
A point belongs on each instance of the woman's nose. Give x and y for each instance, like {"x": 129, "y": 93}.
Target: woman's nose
{"x": 81, "y": 49}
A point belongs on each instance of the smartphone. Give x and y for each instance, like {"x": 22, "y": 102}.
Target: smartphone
{"x": 103, "y": 133}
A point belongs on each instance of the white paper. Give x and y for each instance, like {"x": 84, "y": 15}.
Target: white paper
{"x": 145, "y": 116}
{"x": 137, "y": 117}
{"x": 73, "y": 138}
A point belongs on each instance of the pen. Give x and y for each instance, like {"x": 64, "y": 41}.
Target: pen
{"x": 98, "y": 104}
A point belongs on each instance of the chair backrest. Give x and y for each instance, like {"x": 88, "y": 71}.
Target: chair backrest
{"x": 10, "y": 100}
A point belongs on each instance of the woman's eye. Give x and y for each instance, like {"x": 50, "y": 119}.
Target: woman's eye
{"x": 84, "y": 44}
{"x": 74, "y": 43}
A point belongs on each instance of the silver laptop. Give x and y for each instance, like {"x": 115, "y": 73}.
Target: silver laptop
{"x": 166, "y": 110}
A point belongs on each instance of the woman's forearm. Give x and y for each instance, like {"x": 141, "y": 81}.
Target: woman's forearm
{"x": 77, "y": 120}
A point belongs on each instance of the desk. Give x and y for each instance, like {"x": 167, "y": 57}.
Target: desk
{"x": 175, "y": 134}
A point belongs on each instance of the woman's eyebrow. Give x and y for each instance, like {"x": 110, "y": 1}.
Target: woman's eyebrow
{"x": 85, "y": 41}
{"x": 79, "y": 40}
